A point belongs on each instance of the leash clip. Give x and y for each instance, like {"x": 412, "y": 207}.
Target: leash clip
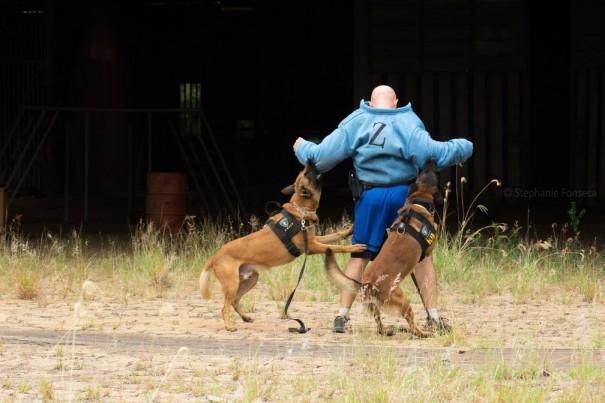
{"x": 401, "y": 228}
{"x": 302, "y": 224}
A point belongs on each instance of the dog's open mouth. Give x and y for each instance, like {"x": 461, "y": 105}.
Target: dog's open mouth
{"x": 313, "y": 176}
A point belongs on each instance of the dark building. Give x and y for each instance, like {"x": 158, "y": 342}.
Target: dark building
{"x": 95, "y": 95}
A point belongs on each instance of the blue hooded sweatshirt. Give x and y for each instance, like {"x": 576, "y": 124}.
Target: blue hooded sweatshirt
{"x": 388, "y": 146}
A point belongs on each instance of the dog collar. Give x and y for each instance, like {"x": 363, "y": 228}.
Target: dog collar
{"x": 426, "y": 203}
{"x": 302, "y": 212}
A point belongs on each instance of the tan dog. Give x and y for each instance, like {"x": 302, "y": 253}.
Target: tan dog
{"x": 237, "y": 264}
{"x": 379, "y": 287}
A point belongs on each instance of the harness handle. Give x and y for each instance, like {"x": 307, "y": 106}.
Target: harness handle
{"x": 271, "y": 213}
{"x": 302, "y": 328}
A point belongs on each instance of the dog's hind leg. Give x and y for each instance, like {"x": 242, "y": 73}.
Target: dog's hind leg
{"x": 230, "y": 293}
{"x": 247, "y": 281}
{"x": 226, "y": 273}
{"x": 373, "y": 309}
{"x": 380, "y": 328}
{"x": 398, "y": 299}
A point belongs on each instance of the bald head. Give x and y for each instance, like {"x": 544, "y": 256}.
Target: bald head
{"x": 383, "y": 96}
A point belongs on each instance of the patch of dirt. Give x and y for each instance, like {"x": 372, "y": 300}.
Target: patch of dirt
{"x": 178, "y": 349}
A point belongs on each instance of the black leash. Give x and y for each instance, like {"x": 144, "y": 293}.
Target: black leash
{"x": 302, "y": 328}
{"x": 427, "y": 229}
{"x": 419, "y": 293}
{"x": 286, "y": 240}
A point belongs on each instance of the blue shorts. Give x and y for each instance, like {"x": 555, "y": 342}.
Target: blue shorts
{"x": 374, "y": 213}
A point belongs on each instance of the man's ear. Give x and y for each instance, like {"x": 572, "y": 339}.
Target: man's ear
{"x": 288, "y": 190}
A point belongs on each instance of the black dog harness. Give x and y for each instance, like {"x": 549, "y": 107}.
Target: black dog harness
{"x": 427, "y": 234}
{"x": 285, "y": 229}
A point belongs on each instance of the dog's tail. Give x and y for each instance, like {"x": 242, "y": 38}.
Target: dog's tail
{"x": 337, "y": 277}
{"x": 205, "y": 279}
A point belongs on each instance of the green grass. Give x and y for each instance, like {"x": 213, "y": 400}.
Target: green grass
{"x": 478, "y": 263}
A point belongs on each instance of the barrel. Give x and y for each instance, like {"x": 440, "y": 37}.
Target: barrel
{"x": 167, "y": 199}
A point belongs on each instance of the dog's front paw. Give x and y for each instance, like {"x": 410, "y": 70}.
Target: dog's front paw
{"x": 348, "y": 231}
{"x": 231, "y": 328}
{"x": 360, "y": 247}
{"x": 247, "y": 319}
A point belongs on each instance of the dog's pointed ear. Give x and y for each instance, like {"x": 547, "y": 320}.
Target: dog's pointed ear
{"x": 431, "y": 165}
{"x": 288, "y": 190}
{"x": 437, "y": 198}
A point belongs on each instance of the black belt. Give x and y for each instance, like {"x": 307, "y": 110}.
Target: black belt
{"x": 367, "y": 185}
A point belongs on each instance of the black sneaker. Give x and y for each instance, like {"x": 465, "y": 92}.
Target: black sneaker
{"x": 440, "y": 327}
{"x": 340, "y": 324}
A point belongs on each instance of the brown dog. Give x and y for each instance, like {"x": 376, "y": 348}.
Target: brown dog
{"x": 237, "y": 263}
{"x": 412, "y": 237}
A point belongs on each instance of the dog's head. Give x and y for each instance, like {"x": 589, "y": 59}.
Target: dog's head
{"x": 427, "y": 183}
{"x": 308, "y": 184}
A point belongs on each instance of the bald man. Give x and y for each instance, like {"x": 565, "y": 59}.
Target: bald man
{"x": 389, "y": 146}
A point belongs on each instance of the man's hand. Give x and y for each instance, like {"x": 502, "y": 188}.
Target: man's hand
{"x": 297, "y": 142}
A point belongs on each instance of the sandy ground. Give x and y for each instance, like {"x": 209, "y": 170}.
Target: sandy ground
{"x": 178, "y": 350}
